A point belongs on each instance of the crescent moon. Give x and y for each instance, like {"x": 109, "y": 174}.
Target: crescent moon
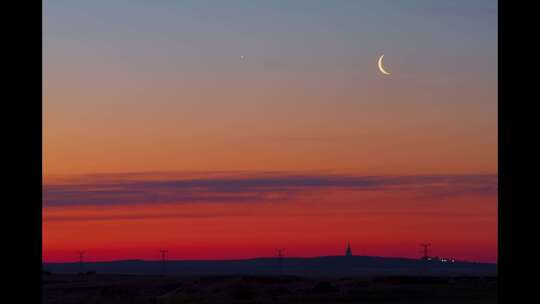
{"x": 381, "y": 66}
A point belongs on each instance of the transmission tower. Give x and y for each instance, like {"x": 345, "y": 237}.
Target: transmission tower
{"x": 425, "y": 250}
{"x": 164, "y": 257}
{"x": 280, "y": 256}
{"x": 81, "y": 260}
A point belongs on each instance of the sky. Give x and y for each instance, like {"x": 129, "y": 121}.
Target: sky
{"x": 227, "y": 129}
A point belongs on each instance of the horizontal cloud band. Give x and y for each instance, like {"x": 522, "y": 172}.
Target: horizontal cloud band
{"x": 135, "y": 189}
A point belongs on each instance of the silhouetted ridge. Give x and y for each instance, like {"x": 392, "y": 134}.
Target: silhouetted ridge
{"x": 316, "y": 266}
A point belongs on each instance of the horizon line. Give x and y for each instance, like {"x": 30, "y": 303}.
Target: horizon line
{"x": 265, "y": 257}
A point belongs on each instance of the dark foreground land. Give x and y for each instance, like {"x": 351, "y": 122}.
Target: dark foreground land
{"x": 110, "y": 288}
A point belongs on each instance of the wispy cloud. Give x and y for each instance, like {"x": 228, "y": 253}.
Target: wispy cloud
{"x": 102, "y": 190}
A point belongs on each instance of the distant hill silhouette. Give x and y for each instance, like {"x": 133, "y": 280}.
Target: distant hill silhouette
{"x": 316, "y": 266}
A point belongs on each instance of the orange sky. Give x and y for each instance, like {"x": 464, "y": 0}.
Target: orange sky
{"x": 160, "y": 100}
{"x": 386, "y": 126}
{"x": 457, "y": 214}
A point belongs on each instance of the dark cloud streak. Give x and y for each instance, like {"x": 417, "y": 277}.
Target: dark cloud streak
{"x": 253, "y": 188}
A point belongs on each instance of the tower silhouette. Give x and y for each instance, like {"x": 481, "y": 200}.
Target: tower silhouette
{"x": 81, "y": 261}
{"x": 164, "y": 258}
{"x": 280, "y": 259}
{"x": 425, "y": 251}
{"x": 348, "y": 252}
